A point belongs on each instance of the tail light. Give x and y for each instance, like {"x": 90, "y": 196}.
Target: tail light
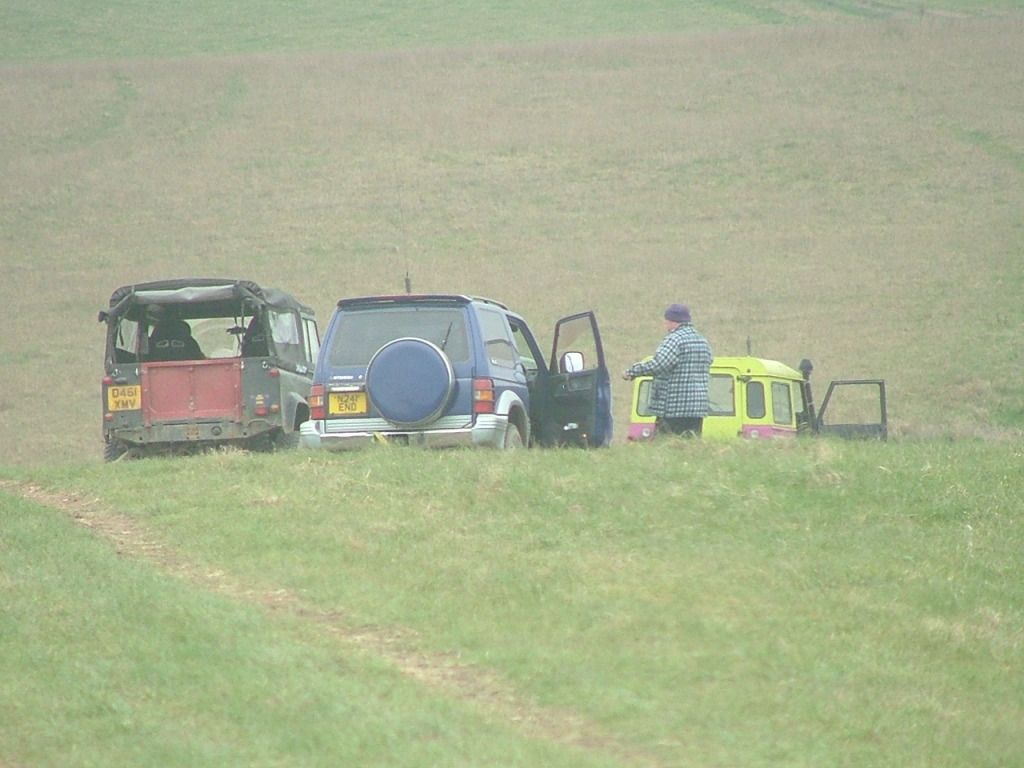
{"x": 483, "y": 396}
{"x": 317, "y": 402}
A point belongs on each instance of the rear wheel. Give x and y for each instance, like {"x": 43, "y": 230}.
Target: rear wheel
{"x": 513, "y": 438}
{"x": 285, "y": 441}
{"x": 113, "y": 450}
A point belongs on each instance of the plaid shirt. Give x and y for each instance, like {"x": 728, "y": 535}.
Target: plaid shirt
{"x": 681, "y": 369}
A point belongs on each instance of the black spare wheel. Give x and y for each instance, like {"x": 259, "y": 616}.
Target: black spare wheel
{"x": 410, "y": 381}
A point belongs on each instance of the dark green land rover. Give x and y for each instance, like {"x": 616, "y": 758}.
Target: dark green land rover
{"x": 200, "y": 362}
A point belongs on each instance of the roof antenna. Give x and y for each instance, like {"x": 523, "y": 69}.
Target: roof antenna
{"x": 408, "y": 283}
{"x": 749, "y": 353}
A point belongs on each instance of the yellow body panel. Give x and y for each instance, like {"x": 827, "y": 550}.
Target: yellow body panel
{"x": 750, "y": 397}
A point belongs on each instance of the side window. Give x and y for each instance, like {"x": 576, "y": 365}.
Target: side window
{"x": 126, "y": 339}
{"x": 284, "y": 331}
{"x": 498, "y": 344}
{"x": 529, "y": 355}
{"x": 782, "y": 403}
{"x": 312, "y": 339}
{"x": 755, "y": 400}
{"x": 722, "y": 395}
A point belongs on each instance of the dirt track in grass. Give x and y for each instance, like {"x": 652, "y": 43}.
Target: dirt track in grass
{"x": 441, "y": 672}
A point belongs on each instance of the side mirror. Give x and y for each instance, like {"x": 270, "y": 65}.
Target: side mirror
{"x": 571, "y": 362}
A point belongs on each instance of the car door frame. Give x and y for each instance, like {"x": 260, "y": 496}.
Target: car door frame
{"x": 576, "y": 404}
{"x": 872, "y": 430}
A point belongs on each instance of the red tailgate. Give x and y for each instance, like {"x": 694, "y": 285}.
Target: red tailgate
{"x": 192, "y": 390}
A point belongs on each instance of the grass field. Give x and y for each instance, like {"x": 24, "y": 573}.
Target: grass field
{"x": 75, "y": 29}
{"x": 839, "y": 181}
{"x": 802, "y": 605}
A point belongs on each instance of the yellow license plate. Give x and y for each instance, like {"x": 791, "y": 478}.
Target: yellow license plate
{"x": 347, "y": 404}
{"x": 124, "y": 398}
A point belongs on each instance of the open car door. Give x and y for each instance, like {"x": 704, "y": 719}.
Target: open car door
{"x": 854, "y": 408}
{"x": 577, "y": 396}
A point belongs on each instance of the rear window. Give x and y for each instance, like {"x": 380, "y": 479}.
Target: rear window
{"x": 214, "y": 336}
{"x": 126, "y": 340}
{"x": 360, "y": 333}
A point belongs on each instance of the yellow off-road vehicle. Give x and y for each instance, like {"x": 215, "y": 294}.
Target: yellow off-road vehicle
{"x": 758, "y": 398}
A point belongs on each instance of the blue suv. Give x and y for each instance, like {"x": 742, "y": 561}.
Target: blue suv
{"x": 448, "y": 370}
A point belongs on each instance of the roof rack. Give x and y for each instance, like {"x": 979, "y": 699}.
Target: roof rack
{"x": 416, "y": 298}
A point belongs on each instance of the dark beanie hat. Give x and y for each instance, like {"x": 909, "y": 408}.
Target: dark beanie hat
{"x": 677, "y": 313}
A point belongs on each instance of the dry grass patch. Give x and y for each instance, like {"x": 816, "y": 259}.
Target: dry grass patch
{"x": 849, "y": 194}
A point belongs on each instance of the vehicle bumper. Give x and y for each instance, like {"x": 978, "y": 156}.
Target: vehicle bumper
{"x": 487, "y": 431}
{"x": 194, "y": 432}
{"x": 641, "y": 430}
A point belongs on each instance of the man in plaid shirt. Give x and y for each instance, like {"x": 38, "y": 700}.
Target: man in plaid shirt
{"x": 681, "y": 368}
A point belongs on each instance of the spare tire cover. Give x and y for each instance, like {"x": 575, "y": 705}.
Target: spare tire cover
{"x": 410, "y": 381}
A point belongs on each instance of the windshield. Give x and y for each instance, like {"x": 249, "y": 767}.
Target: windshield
{"x": 360, "y": 333}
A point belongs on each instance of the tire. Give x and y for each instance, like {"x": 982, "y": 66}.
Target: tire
{"x": 113, "y": 450}
{"x": 285, "y": 441}
{"x": 513, "y": 438}
{"x": 410, "y": 382}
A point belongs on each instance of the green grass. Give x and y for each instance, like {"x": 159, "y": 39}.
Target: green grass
{"x": 839, "y": 181}
{"x": 814, "y": 604}
{"x": 88, "y": 29}
{"x": 106, "y": 661}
